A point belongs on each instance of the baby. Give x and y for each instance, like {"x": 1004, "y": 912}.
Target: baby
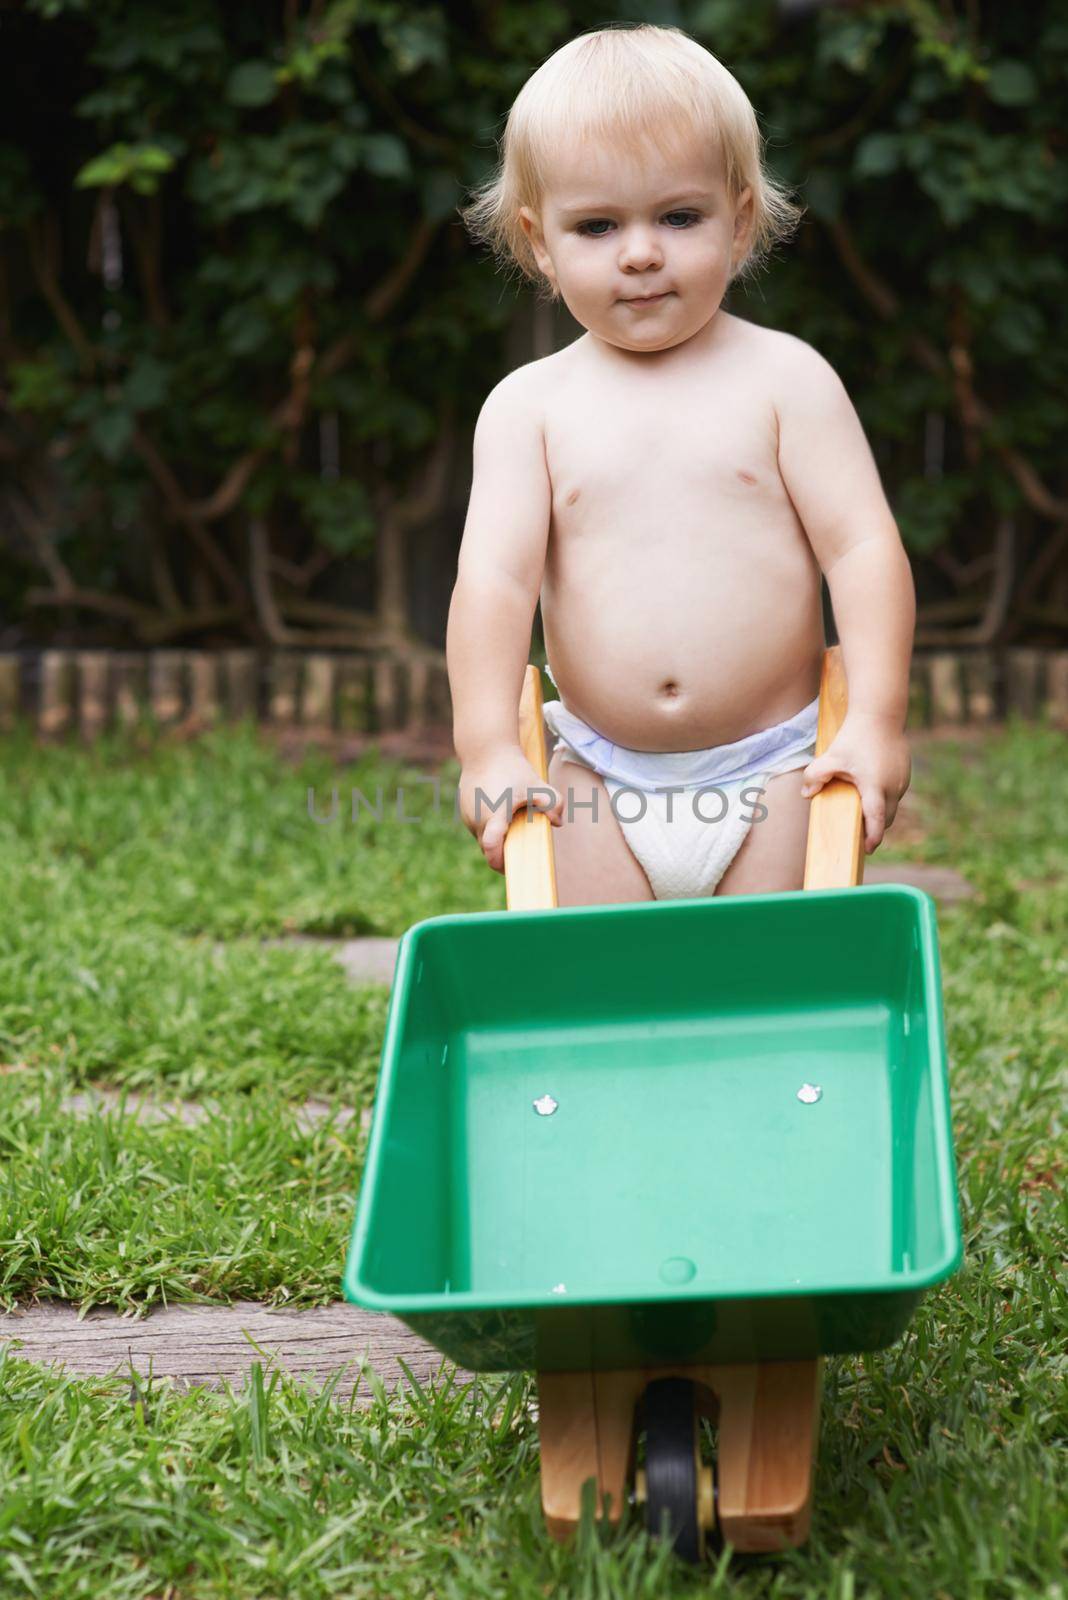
{"x": 671, "y": 485}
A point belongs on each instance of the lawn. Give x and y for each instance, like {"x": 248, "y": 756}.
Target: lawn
{"x": 139, "y": 878}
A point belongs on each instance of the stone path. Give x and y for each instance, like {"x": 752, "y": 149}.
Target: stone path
{"x": 205, "y": 1345}
{"x": 146, "y": 1108}
{"x": 373, "y": 960}
{"x": 364, "y": 960}
{"x": 942, "y": 883}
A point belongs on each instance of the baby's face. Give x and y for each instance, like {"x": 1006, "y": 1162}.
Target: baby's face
{"x": 611, "y": 231}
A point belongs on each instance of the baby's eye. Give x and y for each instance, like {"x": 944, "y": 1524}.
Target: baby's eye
{"x": 586, "y": 228}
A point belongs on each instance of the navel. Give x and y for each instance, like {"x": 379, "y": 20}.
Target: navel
{"x": 746, "y": 477}
{"x": 670, "y": 688}
{"x": 572, "y": 497}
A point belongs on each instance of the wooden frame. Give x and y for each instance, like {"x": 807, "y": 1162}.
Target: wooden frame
{"x": 768, "y": 1411}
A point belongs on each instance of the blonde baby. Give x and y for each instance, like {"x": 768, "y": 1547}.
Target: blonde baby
{"x": 671, "y": 486}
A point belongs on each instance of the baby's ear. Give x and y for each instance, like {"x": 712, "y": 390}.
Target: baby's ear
{"x": 530, "y": 222}
{"x": 743, "y": 224}
{"x": 531, "y": 226}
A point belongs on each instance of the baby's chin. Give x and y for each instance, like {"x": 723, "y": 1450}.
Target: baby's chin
{"x": 650, "y": 332}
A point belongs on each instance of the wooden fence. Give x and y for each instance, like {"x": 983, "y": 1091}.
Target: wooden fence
{"x": 83, "y": 692}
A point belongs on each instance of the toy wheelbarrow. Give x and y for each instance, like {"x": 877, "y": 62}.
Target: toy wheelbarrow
{"x": 668, "y": 1155}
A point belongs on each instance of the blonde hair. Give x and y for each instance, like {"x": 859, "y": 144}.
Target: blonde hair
{"x": 629, "y": 87}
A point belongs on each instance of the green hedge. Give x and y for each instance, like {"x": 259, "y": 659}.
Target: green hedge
{"x": 237, "y": 302}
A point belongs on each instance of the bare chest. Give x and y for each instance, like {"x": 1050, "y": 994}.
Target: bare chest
{"x": 693, "y": 457}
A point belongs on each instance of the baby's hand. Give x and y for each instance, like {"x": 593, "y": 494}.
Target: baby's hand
{"x": 873, "y": 754}
{"x": 504, "y": 771}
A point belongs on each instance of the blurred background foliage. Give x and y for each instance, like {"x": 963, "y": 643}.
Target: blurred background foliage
{"x": 244, "y": 335}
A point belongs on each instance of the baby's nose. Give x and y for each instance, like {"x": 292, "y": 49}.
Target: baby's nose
{"x": 639, "y": 248}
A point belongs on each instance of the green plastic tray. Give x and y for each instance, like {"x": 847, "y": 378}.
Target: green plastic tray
{"x": 683, "y": 1202}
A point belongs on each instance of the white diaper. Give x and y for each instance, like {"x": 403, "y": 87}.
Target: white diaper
{"x": 685, "y": 814}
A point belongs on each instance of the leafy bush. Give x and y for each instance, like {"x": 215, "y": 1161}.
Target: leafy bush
{"x": 238, "y": 310}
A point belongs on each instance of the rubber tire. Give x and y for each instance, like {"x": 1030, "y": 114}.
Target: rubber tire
{"x": 671, "y": 1465}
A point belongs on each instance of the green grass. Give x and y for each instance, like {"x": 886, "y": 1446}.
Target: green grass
{"x": 942, "y": 1466}
{"x": 248, "y": 1204}
{"x": 214, "y": 837}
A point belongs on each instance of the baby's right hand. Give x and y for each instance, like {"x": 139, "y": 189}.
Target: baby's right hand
{"x": 502, "y": 772}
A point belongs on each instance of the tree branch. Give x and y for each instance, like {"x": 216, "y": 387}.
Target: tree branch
{"x": 371, "y": 79}
{"x": 43, "y": 253}
{"x": 424, "y": 498}
{"x": 879, "y": 294}
{"x": 997, "y": 605}
{"x": 92, "y": 600}
{"x": 145, "y": 235}
{"x": 1043, "y": 566}
{"x": 197, "y": 620}
{"x": 260, "y": 577}
{"x": 37, "y": 534}
{"x": 381, "y": 299}
{"x": 304, "y": 371}
{"x": 301, "y": 574}
{"x": 184, "y": 513}
{"x": 162, "y": 577}
{"x": 885, "y": 91}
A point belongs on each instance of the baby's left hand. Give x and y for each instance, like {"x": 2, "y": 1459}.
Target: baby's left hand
{"x": 873, "y": 754}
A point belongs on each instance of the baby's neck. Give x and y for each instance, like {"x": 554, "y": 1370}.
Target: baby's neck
{"x": 696, "y": 347}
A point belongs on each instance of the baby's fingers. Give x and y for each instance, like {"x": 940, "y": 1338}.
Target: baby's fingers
{"x": 820, "y": 772}
{"x": 492, "y": 843}
{"x": 873, "y": 806}
{"x": 496, "y": 830}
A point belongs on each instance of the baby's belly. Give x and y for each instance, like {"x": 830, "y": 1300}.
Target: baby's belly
{"x": 656, "y": 656}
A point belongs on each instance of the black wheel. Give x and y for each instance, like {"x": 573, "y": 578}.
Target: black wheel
{"x": 675, "y": 1483}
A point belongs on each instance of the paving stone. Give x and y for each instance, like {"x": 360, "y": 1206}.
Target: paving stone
{"x": 203, "y": 1345}
{"x": 369, "y": 960}
{"x": 364, "y": 960}
{"x": 374, "y": 960}
{"x": 148, "y": 1109}
{"x": 942, "y": 883}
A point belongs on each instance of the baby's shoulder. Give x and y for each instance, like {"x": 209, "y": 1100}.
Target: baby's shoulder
{"x": 795, "y": 370}
{"x": 523, "y": 390}
{"x": 514, "y": 407}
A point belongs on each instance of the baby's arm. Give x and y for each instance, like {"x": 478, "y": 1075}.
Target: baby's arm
{"x": 501, "y": 562}
{"x": 831, "y": 477}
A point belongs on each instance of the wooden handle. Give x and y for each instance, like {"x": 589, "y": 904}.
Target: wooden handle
{"x": 529, "y": 863}
{"x": 835, "y": 856}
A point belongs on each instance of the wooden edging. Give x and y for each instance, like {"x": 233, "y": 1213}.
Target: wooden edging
{"x": 63, "y": 692}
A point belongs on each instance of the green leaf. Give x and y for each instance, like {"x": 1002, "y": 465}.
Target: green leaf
{"x": 441, "y": 193}
{"x": 1019, "y": 327}
{"x": 110, "y": 431}
{"x": 386, "y": 156}
{"x": 851, "y": 41}
{"x": 927, "y": 508}
{"x": 139, "y": 165}
{"x": 146, "y": 385}
{"x": 823, "y": 194}
{"x": 253, "y": 83}
{"x": 37, "y": 386}
{"x": 243, "y": 329}
{"x": 877, "y": 155}
{"x": 340, "y": 511}
{"x": 1012, "y": 83}
{"x": 415, "y": 41}
{"x": 19, "y": 196}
